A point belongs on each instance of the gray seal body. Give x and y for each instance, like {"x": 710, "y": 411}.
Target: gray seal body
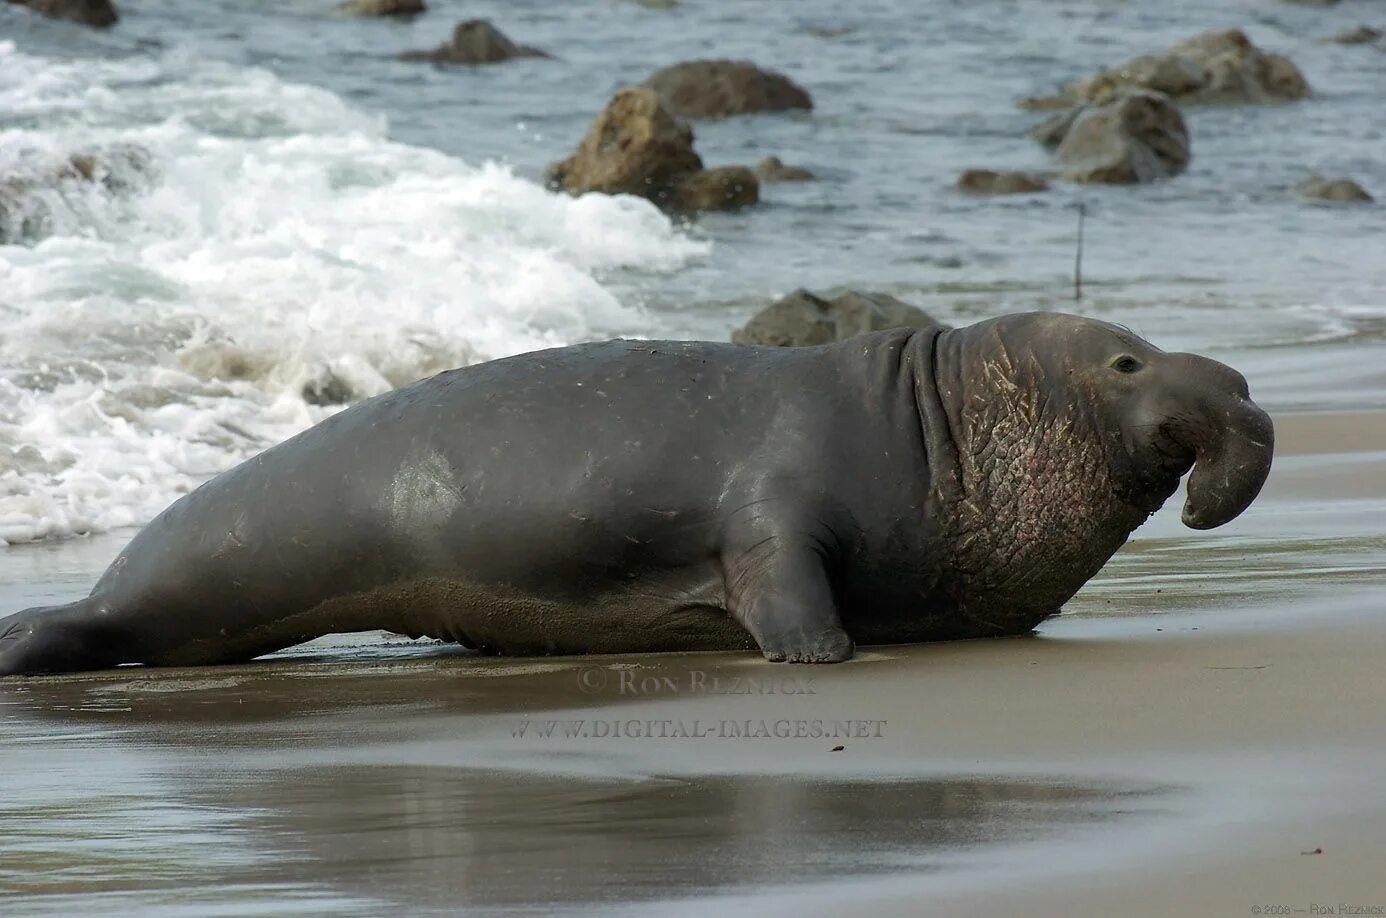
{"x": 637, "y": 496}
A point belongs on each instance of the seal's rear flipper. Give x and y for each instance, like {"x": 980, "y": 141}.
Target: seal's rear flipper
{"x": 55, "y": 639}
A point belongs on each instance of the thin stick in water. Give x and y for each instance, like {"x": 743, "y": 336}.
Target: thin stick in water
{"x": 1078, "y": 259}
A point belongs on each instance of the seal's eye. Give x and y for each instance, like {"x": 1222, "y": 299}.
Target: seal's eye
{"x": 1126, "y": 364}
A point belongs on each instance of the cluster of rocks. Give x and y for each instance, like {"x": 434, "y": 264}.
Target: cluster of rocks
{"x": 28, "y": 199}
{"x": 1219, "y": 66}
{"x": 1133, "y": 136}
{"x": 637, "y": 147}
{"x": 1120, "y": 125}
{"x": 803, "y": 319}
{"x": 639, "y": 144}
{"x": 1123, "y": 124}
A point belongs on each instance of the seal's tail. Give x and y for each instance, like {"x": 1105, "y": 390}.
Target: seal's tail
{"x": 52, "y": 639}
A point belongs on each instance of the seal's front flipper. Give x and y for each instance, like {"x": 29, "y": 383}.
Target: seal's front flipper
{"x": 55, "y": 639}
{"x": 778, "y": 590}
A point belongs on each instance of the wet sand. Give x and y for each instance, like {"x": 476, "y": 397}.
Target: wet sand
{"x": 1208, "y": 709}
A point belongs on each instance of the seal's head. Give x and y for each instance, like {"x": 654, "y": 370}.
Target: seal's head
{"x": 1157, "y": 414}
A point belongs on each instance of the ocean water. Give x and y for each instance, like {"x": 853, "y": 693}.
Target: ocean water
{"x": 317, "y": 222}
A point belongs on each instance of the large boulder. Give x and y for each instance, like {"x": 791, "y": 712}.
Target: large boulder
{"x": 475, "y": 41}
{"x": 717, "y": 88}
{"x": 636, "y": 147}
{"x": 383, "y": 7}
{"x": 99, "y": 13}
{"x": 1218, "y": 66}
{"x": 31, "y": 198}
{"x": 803, "y": 319}
{"x": 1135, "y": 136}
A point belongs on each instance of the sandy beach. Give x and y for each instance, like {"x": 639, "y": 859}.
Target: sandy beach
{"x": 1199, "y": 733}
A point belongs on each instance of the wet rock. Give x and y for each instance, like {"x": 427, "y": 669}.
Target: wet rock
{"x": 771, "y": 169}
{"x": 803, "y": 319}
{"x": 1136, "y": 136}
{"x": 119, "y": 168}
{"x": 637, "y": 147}
{"x": 1344, "y": 190}
{"x": 1361, "y": 35}
{"x": 634, "y": 147}
{"x": 985, "y": 181}
{"x": 475, "y": 41}
{"x": 1218, "y": 66}
{"x": 31, "y": 199}
{"x": 726, "y": 188}
{"x": 99, "y": 13}
{"x": 1046, "y": 103}
{"x": 717, "y": 88}
{"x": 383, "y": 7}
{"x": 328, "y": 389}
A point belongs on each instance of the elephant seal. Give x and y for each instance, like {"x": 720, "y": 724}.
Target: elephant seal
{"x": 904, "y": 485}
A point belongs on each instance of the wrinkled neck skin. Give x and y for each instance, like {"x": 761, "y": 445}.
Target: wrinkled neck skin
{"x": 1030, "y": 507}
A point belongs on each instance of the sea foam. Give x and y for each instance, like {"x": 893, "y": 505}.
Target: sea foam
{"x": 279, "y": 257}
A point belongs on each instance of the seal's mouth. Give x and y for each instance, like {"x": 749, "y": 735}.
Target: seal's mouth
{"x": 1175, "y": 459}
{"x": 1155, "y": 468}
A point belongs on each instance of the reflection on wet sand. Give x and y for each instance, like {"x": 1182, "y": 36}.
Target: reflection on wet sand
{"x": 439, "y": 837}
{"x": 338, "y": 787}
{"x": 333, "y": 838}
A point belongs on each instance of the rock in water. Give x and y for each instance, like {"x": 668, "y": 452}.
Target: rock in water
{"x": 717, "y": 88}
{"x": 475, "y": 41}
{"x": 99, "y": 13}
{"x": 636, "y": 147}
{"x": 985, "y": 181}
{"x": 726, "y": 188}
{"x": 770, "y": 169}
{"x": 1360, "y": 35}
{"x": 1136, "y": 136}
{"x": 383, "y": 7}
{"x": 1218, "y": 66}
{"x": 802, "y": 319}
{"x": 1343, "y": 190}
{"x": 31, "y": 200}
